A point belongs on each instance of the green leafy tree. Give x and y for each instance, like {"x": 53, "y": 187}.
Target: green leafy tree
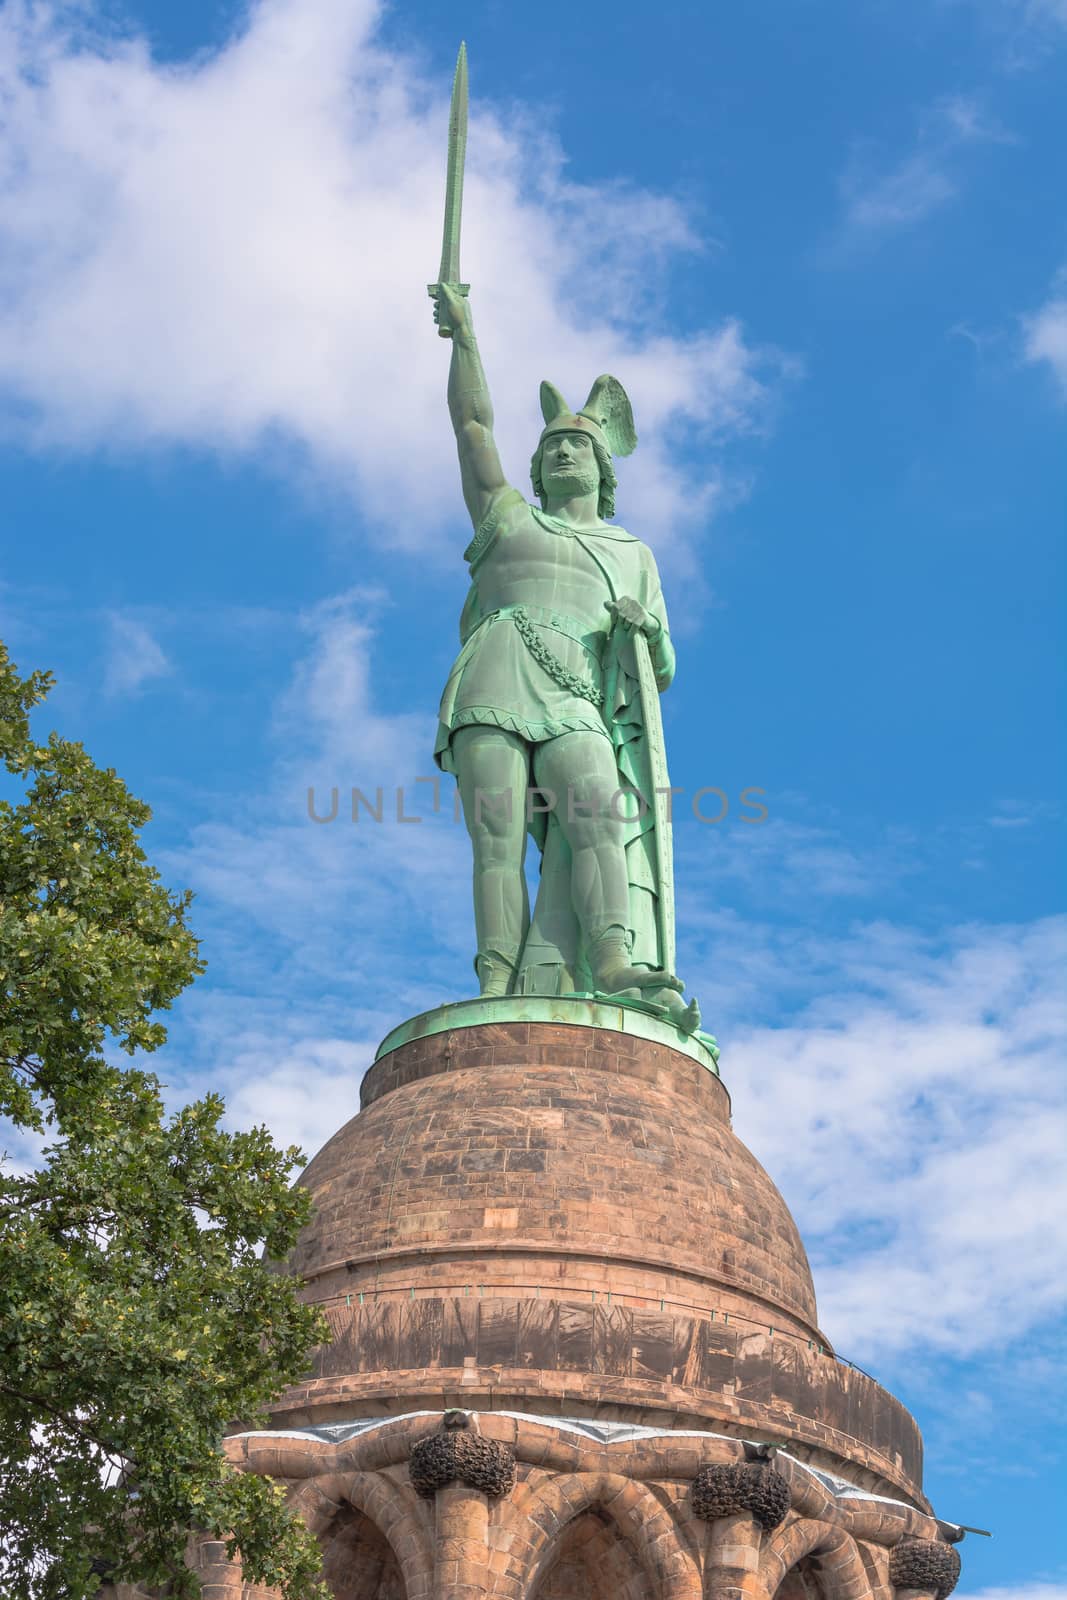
{"x": 137, "y": 1316}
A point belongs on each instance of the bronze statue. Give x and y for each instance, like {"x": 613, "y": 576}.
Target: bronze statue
{"x": 550, "y": 716}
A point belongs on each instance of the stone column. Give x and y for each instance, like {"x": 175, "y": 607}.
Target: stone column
{"x": 220, "y": 1579}
{"x": 732, "y": 1558}
{"x": 741, "y": 1501}
{"x": 461, "y": 1553}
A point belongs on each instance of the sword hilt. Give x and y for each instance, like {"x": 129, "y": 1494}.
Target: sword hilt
{"x": 434, "y": 291}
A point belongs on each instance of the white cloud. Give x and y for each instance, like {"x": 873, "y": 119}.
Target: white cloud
{"x": 902, "y": 196}
{"x": 878, "y": 202}
{"x": 320, "y": 938}
{"x": 328, "y": 712}
{"x": 307, "y": 906}
{"x": 1029, "y": 29}
{"x": 781, "y": 858}
{"x": 233, "y": 252}
{"x": 134, "y": 656}
{"x": 913, "y": 1116}
{"x": 1017, "y": 1591}
{"x": 1012, "y": 813}
{"x": 1045, "y": 334}
{"x": 961, "y": 119}
{"x": 21, "y": 1149}
{"x": 303, "y": 1093}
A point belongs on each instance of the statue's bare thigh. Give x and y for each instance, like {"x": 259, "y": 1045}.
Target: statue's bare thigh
{"x": 576, "y": 774}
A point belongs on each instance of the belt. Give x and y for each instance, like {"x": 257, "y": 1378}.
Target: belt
{"x": 526, "y": 617}
{"x": 591, "y": 641}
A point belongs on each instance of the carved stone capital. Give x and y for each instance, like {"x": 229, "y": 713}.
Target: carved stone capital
{"x": 924, "y": 1564}
{"x": 483, "y": 1464}
{"x": 728, "y": 1490}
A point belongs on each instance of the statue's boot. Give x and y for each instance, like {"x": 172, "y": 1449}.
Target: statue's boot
{"x": 496, "y": 974}
{"x": 686, "y": 1017}
{"x": 613, "y": 972}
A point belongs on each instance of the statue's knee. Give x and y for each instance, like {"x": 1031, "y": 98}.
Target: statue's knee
{"x": 589, "y": 819}
{"x": 497, "y": 840}
{"x": 491, "y": 813}
{"x": 497, "y": 854}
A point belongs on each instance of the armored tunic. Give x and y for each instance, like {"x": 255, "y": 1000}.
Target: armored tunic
{"x": 535, "y": 630}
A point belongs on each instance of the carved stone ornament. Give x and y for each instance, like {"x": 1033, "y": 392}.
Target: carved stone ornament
{"x": 726, "y": 1491}
{"x": 483, "y": 1464}
{"x": 924, "y": 1564}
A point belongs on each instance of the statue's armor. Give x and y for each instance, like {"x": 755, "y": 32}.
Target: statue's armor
{"x": 558, "y": 580}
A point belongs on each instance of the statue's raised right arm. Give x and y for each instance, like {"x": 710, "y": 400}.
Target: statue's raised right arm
{"x": 470, "y": 408}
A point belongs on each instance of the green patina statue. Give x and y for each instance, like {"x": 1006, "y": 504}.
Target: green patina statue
{"x": 550, "y": 716}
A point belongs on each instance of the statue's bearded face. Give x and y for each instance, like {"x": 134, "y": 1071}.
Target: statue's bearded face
{"x": 569, "y": 465}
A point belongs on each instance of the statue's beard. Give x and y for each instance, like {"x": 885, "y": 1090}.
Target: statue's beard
{"x": 564, "y": 484}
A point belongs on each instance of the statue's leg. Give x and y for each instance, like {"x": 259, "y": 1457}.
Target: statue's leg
{"x": 550, "y": 955}
{"x": 492, "y": 770}
{"x": 579, "y": 769}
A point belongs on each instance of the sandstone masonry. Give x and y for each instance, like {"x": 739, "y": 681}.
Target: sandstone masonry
{"x": 575, "y": 1350}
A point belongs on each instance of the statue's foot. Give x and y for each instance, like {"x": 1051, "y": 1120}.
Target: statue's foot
{"x": 686, "y": 1017}
{"x": 613, "y": 971}
{"x": 618, "y": 979}
{"x": 665, "y": 1003}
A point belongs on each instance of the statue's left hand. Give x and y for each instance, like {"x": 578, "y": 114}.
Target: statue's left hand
{"x": 632, "y": 614}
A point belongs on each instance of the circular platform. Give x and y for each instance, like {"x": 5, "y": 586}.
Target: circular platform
{"x": 577, "y": 1011}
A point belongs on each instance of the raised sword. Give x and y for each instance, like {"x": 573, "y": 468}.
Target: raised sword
{"x": 457, "y": 153}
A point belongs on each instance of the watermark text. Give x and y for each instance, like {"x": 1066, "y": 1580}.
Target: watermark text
{"x": 399, "y": 804}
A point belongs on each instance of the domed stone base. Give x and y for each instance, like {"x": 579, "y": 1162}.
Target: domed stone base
{"x": 575, "y": 1351}
{"x": 557, "y": 1219}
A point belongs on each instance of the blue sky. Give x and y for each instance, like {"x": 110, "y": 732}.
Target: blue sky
{"x": 825, "y": 247}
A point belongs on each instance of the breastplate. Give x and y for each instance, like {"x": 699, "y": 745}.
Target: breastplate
{"x": 532, "y": 566}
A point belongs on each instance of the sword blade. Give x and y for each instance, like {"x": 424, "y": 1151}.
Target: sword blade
{"x": 457, "y": 153}
{"x": 660, "y": 800}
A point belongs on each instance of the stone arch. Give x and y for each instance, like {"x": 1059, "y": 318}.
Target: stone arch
{"x": 358, "y": 1562}
{"x": 388, "y": 1514}
{"x": 590, "y": 1561}
{"x": 617, "y": 1509}
{"x": 690, "y": 1530}
{"x": 829, "y": 1554}
{"x": 318, "y": 1500}
{"x": 875, "y": 1560}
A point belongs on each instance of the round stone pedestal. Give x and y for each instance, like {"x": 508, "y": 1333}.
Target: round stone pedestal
{"x": 575, "y": 1353}
{"x": 554, "y": 1218}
